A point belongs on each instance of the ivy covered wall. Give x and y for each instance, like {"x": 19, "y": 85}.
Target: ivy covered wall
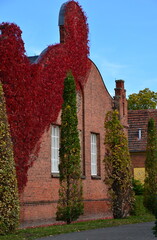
{"x": 33, "y": 92}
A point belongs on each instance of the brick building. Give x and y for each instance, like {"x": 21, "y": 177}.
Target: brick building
{"x": 32, "y": 94}
{"x": 137, "y": 138}
{"x": 40, "y": 196}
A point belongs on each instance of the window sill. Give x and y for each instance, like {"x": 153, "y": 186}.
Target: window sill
{"x": 55, "y": 175}
{"x": 95, "y": 177}
{"x": 83, "y": 177}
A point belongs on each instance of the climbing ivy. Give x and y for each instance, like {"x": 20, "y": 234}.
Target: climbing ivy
{"x": 33, "y": 92}
{"x": 118, "y": 176}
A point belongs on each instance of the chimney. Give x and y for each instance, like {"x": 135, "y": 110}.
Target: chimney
{"x": 61, "y": 22}
{"x": 119, "y": 90}
{"x": 120, "y": 102}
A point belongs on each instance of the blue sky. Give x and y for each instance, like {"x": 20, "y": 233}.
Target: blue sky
{"x": 123, "y": 36}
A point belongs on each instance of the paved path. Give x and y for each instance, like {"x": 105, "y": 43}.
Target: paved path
{"x": 140, "y": 231}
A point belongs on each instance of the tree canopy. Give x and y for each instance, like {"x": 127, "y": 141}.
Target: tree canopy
{"x": 145, "y": 99}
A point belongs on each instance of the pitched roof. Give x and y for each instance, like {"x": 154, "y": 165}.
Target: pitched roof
{"x": 138, "y": 121}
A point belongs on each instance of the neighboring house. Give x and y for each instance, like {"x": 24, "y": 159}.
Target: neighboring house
{"x": 137, "y": 136}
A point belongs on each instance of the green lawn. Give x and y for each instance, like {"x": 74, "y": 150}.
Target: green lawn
{"x": 34, "y": 233}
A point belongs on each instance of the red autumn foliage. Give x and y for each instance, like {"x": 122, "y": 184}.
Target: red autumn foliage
{"x": 33, "y": 92}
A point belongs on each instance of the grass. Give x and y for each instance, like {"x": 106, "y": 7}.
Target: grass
{"x": 140, "y": 215}
{"x": 34, "y": 233}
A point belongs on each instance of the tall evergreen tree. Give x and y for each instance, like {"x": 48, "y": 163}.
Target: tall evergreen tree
{"x": 70, "y": 204}
{"x": 9, "y": 203}
{"x": 150, "y": 184}
{"x": 118, "y": 175}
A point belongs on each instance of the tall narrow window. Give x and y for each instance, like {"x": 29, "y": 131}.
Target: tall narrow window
{"x": 55, "y": 139}
{"x": 81, "y": 153}
{"x": 93, "y": 154}
{"x": 139, "y": 134}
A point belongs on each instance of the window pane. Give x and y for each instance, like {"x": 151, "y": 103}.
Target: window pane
{"x": 55, "y": 149}
{"x": 93, "y": 154}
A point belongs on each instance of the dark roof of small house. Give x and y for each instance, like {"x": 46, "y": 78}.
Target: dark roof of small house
{"x": 33, "y": 59}
{"x": 138, "y": 119}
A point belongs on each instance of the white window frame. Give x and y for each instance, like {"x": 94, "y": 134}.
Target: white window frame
{"x": 94, "y": 154}
{"x": 55, "y": 144}
{"x": 139, "y": 134}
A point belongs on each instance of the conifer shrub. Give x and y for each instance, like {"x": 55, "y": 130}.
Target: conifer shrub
{"x": 138, "y": 207}
{"x": 118, "y": 175}
{"x": 150, "y": 184}
{"x": 9, "y": 203}
{"x": 138, "y": 187}
{"x": 70, "y": 204}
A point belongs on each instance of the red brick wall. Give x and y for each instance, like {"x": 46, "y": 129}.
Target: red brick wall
{"x": 138, "y": 159}
{"x": 97, "y": 102}
{"x": 40, "y": 196}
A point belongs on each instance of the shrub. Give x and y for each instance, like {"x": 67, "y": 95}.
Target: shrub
{"x": 9, "y": 204}
{"x": 70, "y": 204}
{"x": 118, "y": 175}
{"x": 138, "y": 187}
{"x": 138, "y": 207}
{"x": 150, "y": 184}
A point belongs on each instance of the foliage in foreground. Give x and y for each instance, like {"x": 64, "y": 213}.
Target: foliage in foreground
{"x": 118, "y": 166}
{"x": 70, "y": 204}
{"x": 150, "y": 184}
{"x": 145, "y": 99}
{"x": 9, "y": 204}
{"x": 155, "y": 227}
